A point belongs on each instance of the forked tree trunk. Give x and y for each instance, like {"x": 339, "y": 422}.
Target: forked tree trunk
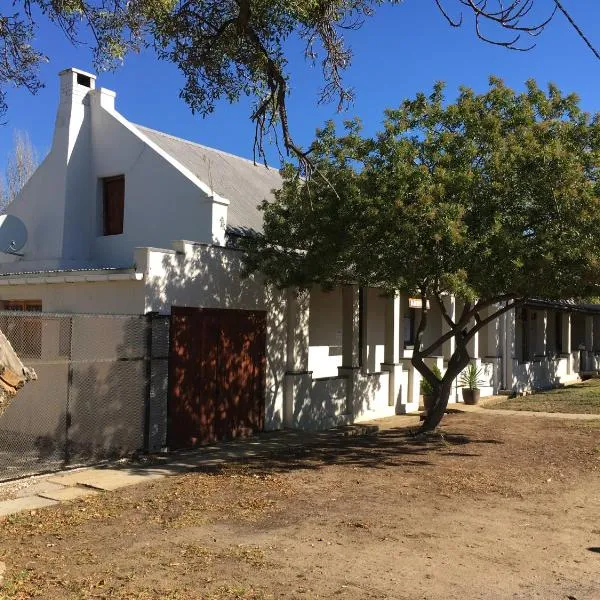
{"x": 435, "y": 415}
{"x": 442, "y": 389}
{"x": 462, "y": 332}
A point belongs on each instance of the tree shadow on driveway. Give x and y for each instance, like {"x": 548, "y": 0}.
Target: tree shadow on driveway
{"x": 291, "y": 451}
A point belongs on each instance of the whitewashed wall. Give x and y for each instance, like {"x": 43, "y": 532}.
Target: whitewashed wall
{"x": 163, "y": 202}
{"x": 65, "y": 173}
{"x": 210, "y": 277}
{"x": 61, "y": 205}
{"x": 540, "y": 374}
{"x": 110, "y": 297}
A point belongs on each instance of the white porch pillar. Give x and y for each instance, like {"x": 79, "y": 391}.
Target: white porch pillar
{"x": 542, "y": 333}
{"x": 403, "y": 314}
{"x": 392, "y": 330}
{"x": 297, "y": 331}
{"x": 351, "y": 350}
{"x": 494, "y": 334}
{"x": 414, "y": 389}
{"x": 298, "y": 380}
{"x": 509, "y": 348}
{"x": 363, "y": 335}
{"x": 448, "y": 346}
{"x": 473, "y": 346}
{"x": 565, "y": 323}
{"x": 393, "y": 339}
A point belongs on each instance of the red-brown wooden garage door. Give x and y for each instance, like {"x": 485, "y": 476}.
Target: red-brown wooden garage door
{"x": 216, "y": 375}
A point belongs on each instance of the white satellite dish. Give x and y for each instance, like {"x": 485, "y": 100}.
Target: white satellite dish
{"x": 13, "y": 234}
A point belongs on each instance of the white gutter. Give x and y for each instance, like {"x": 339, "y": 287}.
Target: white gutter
{"x": 71, "y": 278}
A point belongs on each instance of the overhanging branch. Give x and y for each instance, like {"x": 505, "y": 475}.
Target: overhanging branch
{"x": 513, "y": 17}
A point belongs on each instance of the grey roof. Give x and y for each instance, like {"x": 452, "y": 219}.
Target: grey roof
{"x": 238, "y": 179}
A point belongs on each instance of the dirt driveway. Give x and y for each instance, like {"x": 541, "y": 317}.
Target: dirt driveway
{"x": 504, "y": 507}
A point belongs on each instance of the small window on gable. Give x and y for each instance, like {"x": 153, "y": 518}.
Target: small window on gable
{"x": 113, "y": 200}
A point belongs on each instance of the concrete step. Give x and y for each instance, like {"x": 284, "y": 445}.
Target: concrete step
{"x": 11, "y": 507}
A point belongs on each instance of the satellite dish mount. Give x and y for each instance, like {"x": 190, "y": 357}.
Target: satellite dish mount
{"x": 13, "y": 235}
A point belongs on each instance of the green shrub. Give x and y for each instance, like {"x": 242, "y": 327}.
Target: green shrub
{"x": 470, "y": 378}
{"x": 426, "y": 389}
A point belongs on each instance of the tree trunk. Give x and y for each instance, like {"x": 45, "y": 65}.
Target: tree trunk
{"x": 442, "y": 389}
{"x": 462, "y": 332}
{"x": 435, "y": 415}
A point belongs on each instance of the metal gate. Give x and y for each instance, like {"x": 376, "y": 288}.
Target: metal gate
{"x": 216, "y": 375}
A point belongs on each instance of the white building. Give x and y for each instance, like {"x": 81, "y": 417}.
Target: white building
{"x": 108, "y": 214}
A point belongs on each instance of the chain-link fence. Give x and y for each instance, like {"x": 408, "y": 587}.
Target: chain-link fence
{"x": 100, "y": 393}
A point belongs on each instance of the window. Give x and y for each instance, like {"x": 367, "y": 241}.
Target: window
{"x": 23, "y": 332}
{"x": 113, "y": 200}
{"x": 23, "y": 305}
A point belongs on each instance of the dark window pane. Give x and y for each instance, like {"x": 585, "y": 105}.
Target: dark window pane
{"x": 114, "y": 205}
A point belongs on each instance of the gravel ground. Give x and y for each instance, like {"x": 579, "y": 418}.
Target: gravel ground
{"x": 496, "y": 507}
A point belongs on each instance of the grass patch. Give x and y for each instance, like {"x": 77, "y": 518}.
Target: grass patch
{"x": 582, "y": 398}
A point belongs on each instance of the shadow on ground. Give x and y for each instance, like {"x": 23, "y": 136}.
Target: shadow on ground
{"x": 290, "y": 451}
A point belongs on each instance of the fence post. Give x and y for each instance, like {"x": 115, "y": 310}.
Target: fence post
{"x": 148, "y": 400}
{"x": 67, "y": 454}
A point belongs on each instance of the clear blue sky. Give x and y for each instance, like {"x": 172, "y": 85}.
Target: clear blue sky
{"x": 402, "y": 50}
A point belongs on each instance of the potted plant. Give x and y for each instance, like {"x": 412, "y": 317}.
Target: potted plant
{"x": 427, "y": 389}
{"x": 470, "y": 380}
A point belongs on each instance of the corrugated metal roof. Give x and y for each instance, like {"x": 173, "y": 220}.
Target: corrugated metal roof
{"x": 64, "y": 271}
{"x": 237, "y": 179}
{"x": 566, "y": 305}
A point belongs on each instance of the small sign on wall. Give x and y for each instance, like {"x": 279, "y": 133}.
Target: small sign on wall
{"x": 416, "y": 303}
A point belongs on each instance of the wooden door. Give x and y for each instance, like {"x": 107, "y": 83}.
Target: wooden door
{"x": 216, "y": 375}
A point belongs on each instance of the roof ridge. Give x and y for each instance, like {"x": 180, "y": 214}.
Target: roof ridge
{"x": 179, "y": 139}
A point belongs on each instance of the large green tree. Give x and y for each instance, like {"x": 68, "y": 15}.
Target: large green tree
{"x": 229, "y": 48}
{"x": 493, "y": 198}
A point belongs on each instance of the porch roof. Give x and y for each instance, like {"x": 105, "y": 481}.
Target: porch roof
{"x": 565, "y": 305}
{"x": 73, "y": 275}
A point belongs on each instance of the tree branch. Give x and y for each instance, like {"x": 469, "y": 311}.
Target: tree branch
{"x": 508, "y": 306}
{"x": 510, "y": 16}
{"x": 275, "y": 102}
{"x": 444, "y": 312}
{"x": 467, "y": 314}
{"x": 579, "y": 31}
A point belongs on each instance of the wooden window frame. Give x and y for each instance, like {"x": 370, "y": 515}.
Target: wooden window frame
{"x": 22, "y": 305}
{"x": 113, "y": 216}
